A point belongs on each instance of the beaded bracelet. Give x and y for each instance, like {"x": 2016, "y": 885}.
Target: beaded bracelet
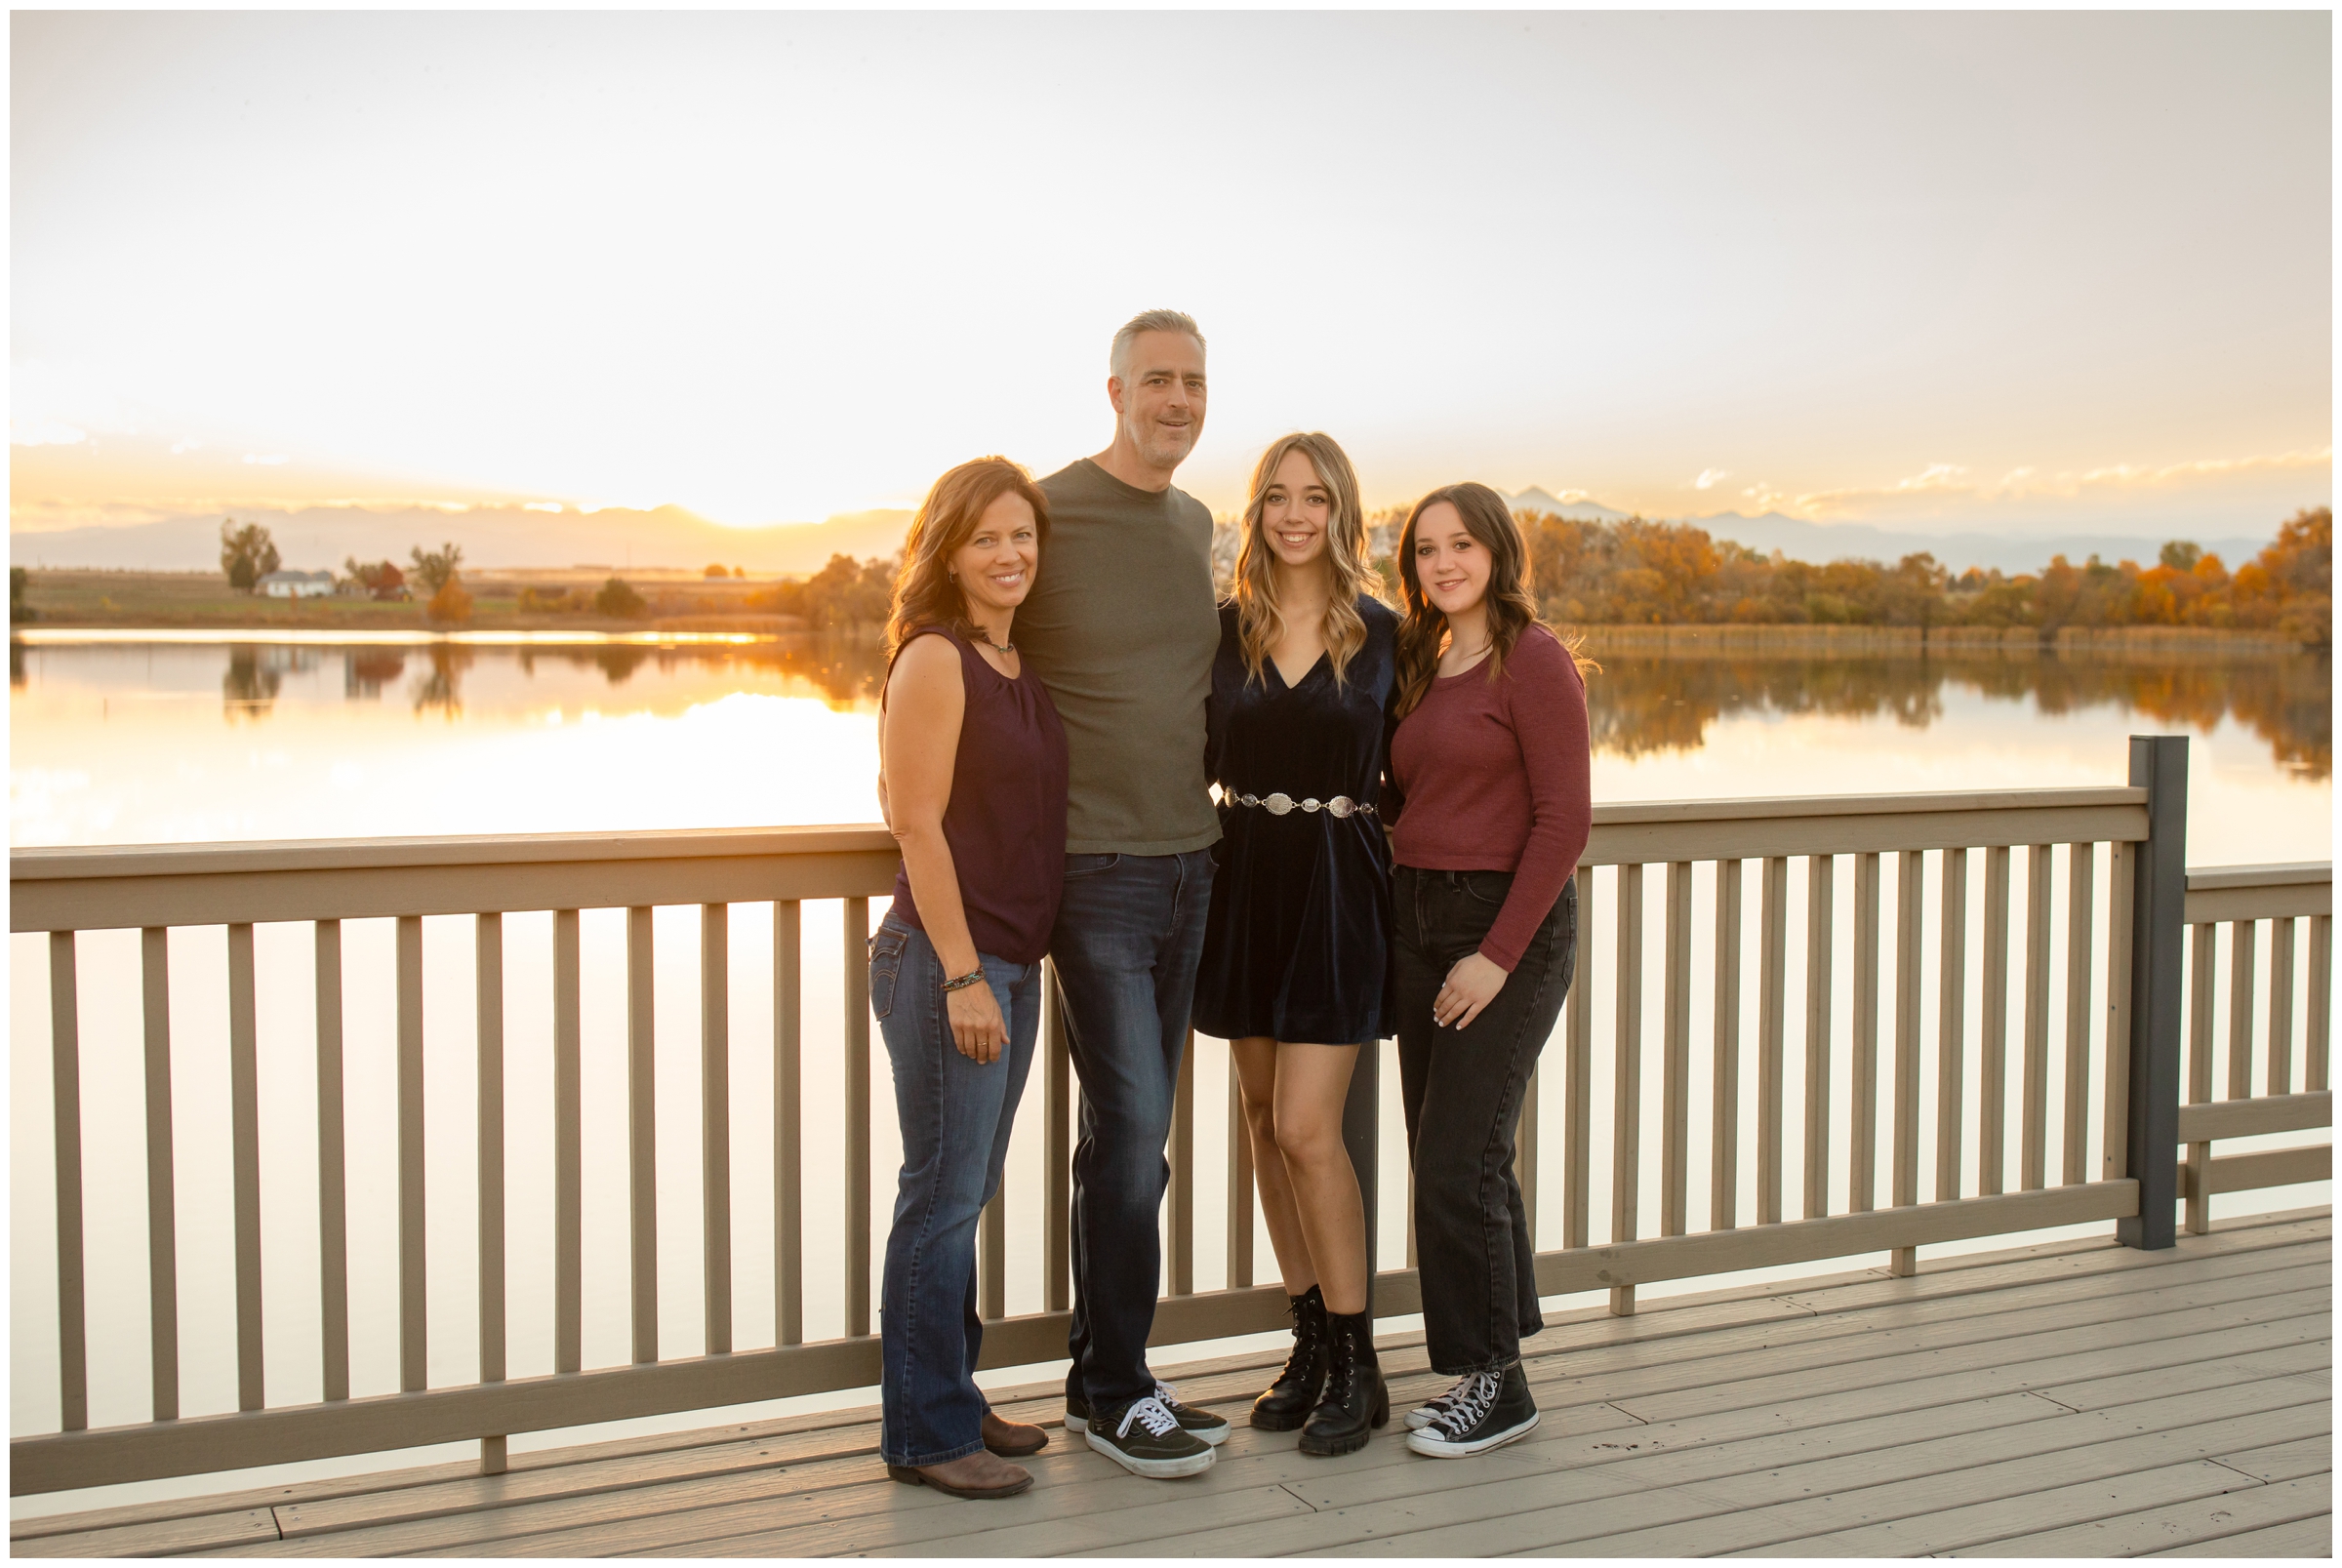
{"x": 965, "y": 981}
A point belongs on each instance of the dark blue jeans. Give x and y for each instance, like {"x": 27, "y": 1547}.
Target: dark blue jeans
{"x": 1128, "y": 938}
{"x": 956, "y": 1116}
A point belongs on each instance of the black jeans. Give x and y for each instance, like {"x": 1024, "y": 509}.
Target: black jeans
{"x": 1463, "y": 1091}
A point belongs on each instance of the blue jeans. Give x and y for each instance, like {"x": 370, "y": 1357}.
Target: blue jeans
{"x": 956, "y": 1115}
{"x": 1128, "y": 938}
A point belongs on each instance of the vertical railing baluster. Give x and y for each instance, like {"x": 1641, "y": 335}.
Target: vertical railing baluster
{"x": 1524, "y": 1152}
{"x": 2033, "y": 1161}
{"x": 856, "y": 1000}
{"x": 1057, "y": 1158}
{"x": 715, "y": 1122}
{"x": 1862, "y": 1132}
{"x": 2113, "y": 1157}
{"x": 1772, "y": 1028}
{"x": 2203, "y": 944}
{"x": 1626, "y": 1136}
{"x": 1724, "y": 1122}
{"x": 1577, "y": 1086}
{"x": 991, "y": 1301}
{"x": 569, "y": 1173}
{"x": 488, "y": 937}
{"x": 414, "y": 1330}
{"x": 2241, "y": 996}
{"x": 1951, "y": 1026}
{"x": 2321, "y": 1022}
{"x": 1675, "y": 1079}
{"x": 162, "y": 1187}
{"x": 243, "y": 1121}
{"x": 642, "y": 1133}
{"x": 2080, "y": 883}
{"x": 1182, "y": 1205}
{"x": 1910, "y": 883}
{"x": 1821, "y": 893}
{"x": 1239, "y": 1181}
{"x": 1991, "y": 1101}
{"x": 64, "y": 1107}
{"x": 788, "y": 1123}
{"x": 2280, "y": 1007}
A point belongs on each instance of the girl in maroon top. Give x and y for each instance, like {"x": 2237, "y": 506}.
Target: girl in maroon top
{"x": 1491, "y": 762}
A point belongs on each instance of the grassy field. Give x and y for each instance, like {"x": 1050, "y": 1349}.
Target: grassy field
{"x": 680, "y": 601}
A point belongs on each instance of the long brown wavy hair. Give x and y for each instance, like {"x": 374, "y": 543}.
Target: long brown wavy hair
{"x": 924, "y": 593}
{"x": 1260, "y": 621}
{"x": 1512, "y": 608}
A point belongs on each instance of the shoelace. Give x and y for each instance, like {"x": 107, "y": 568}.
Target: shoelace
{"x": 1149, "y": 1413}
{"x": 1447, "y": 1401}
{"x": 1470, "y": 1403}
{"x": 1167, "y": 1395}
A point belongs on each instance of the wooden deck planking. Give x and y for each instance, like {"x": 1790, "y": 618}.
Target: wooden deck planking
{"x": 2073, "y": 1386}
{"x": 2311, "y": 1538}
{"x": 2160, "y": 1526}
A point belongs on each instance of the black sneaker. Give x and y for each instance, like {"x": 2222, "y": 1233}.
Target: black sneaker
{"x": 1145, "y": 1439}
{"x": 1493, "y": 1410}
{"x": 1202, "y": 1424}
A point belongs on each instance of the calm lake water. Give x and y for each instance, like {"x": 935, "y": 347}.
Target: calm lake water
{"x": 168, "y": 737}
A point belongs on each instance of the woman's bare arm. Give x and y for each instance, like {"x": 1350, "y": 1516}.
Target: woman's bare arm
{"x": 920, "y": 738}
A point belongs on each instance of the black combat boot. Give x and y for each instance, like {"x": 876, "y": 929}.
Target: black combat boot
{"x": 1294, "y": 1395}
{"x": 1356, "y": 1400}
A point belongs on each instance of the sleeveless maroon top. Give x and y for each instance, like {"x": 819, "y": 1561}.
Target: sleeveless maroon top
{"x": 1006, "y": 819}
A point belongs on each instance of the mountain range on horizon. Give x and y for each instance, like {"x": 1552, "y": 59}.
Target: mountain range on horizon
{"x": 513, "y": 538}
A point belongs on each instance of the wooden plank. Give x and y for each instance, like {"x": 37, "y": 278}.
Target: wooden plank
{"x": 2081, "y": 885}
{"x": 244, "y": 1136}
{"x": 162, "y": 1203}
{"x": 2259, "y": 903}
{"x": 857, "y": 1005}
{"x": 2287, "y": 1461}
{"x": 1821, "y": 886}
{"x": 488, "y": 971}
{"x": 2241, "y": 966}
{"x": 788, "y": 1122}
{"x": 2196, "y": 1181}
{"x": 1675, "y": 1137}
{"x": 2032, "y": 1159}
{"x": 2080, "y": 1520}
{"x": 2282, "y": 941}
{"x": 2262, "y": 1168}
{"x": 1577, "y": 1174}
{"x": 1240, "y": 1181}
{"x": 1909, "y": 881}
{"x": 1181, "y": 1205}
{"x": 1056, "y": 1153}
{"x": 332, "y": 1170}
{"x": 716, "y": 1123}
{"x": 2104, "y": 1393}
{"x": 65, "y": 1109}
{"x": 1626, "y": 1094}
{"x": 992, "y": 1256}
{"x": 2243, "y": 1118}
{"x": 414, "y": 1333}
{"x": 1992, "y": 1118}
{"x": 1524, "y": 1150}
{"x": 569, "y": 1176}
{"x": 1843, "y": 834}
{"x": 2113, "y": 1145}
{"x": 1862, "y": 1131}
{"x": 1771, "y": 1019}
{"x": 642, "y": 1135}
{"x": 2321, "y": 1022}
{"x": 1951, "y": 1025}
{"x": 1724, "y": 1130}
{"x": 164, "y": 1538}
{"x": 2305, "y": 1537}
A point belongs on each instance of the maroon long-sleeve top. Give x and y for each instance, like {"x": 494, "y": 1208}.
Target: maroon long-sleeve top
{"x": 1497, "y": 776}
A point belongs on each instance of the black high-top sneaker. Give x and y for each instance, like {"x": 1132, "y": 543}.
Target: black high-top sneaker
{"x": 1493, "y": 1410}
{"x": 1356, "y": 1400}
{"x": 1294, "y": 1395}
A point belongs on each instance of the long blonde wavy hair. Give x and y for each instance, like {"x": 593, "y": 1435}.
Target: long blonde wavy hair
{"x": 1259, "y": 622}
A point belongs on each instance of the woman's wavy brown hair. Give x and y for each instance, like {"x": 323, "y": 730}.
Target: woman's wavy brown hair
{"x": 1259, "y": 622}
{"x": 924, "y": 593}
{"x": 1512, "y": 608}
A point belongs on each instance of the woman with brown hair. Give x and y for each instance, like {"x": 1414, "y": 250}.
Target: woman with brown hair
{"x": 1491, "y": 762}
{"x": 974, "y": 762}
{"x": 1295, "y": 968}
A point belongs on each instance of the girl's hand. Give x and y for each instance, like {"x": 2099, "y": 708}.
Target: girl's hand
{"x": 1470, "y": 986}
{"x": 977, "y": 1026}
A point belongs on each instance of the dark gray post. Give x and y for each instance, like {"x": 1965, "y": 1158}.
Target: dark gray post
{"x": 2159, "y": 764}
{"x": 1361, "y": 1121}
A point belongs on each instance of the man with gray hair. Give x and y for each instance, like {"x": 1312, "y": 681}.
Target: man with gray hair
{"x": 1121, "y": 626}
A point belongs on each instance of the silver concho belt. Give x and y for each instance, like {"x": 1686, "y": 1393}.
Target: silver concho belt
{"x": 1278, "y": 804}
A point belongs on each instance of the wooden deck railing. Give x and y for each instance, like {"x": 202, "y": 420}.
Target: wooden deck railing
{"x": 1836, "y": 1130}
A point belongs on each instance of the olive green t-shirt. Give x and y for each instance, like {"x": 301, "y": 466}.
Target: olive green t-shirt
{"x": 1121, "y": 626}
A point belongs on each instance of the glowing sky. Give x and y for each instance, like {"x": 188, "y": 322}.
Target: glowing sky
{"x": 2012, "y": 272}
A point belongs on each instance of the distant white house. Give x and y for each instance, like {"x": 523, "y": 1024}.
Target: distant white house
{"x": 295, "y": 584}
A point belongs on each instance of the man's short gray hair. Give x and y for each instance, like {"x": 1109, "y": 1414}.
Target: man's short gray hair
{"x": 1117, "y": 359}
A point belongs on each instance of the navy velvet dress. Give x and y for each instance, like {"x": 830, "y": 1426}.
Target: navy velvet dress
{"x": 1297, "y": 947}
